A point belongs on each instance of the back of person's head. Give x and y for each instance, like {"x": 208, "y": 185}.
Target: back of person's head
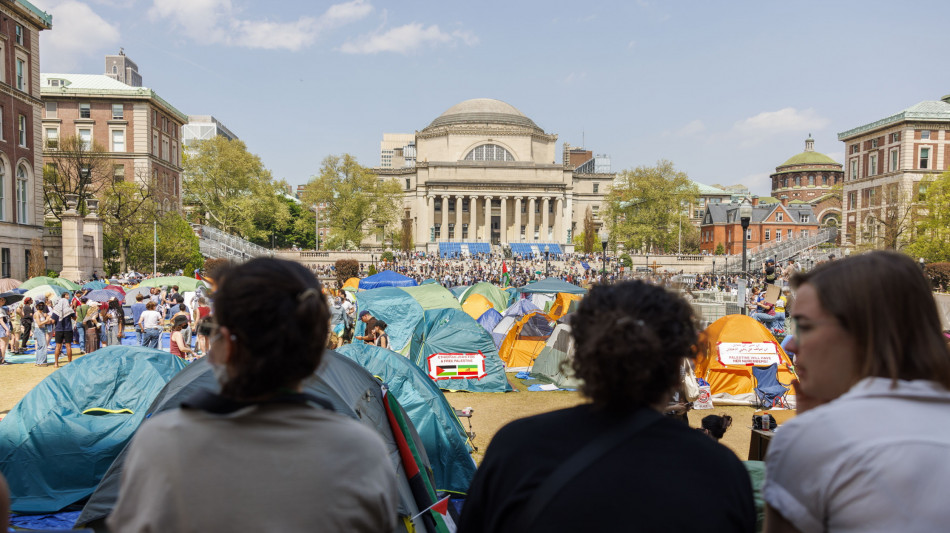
{"x": 113, "y": 304}
{"x": 280, "y": 322}
{"x": 716, "y": 425}
{"x": 139, "y": 297}
{"x": 64, "y": 295}
{"x": 883, "y": 300}
{"x": 631, "y": 339}
{"x": 381, "y": 325}
{"x": 150, "y": 305}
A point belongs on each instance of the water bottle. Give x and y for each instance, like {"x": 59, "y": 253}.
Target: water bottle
{"x": 766, "y": 422}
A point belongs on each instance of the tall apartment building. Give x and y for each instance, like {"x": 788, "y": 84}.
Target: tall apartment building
{"x": 140, "y": 130}
{"x": 21, "y": 177}
{"x": 888, "y": 164}
{"x": 398, "y": 146}
{"x": 203, "y": 127}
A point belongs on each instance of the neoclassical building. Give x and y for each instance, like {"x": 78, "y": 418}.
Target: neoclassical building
{"x": 486, "y": 174}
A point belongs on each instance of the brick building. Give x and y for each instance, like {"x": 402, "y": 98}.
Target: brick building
{"x": 21, "y": 180}
{"x": 140, "y": 130}
{"x": 889, "y": 162}
{"x": 811, "y": 177}
{"x": 770, "y": 223}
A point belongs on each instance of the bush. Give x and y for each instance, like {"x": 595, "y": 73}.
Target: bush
{"x": 387, "y": 256}
{"x": 372, "y": 270}
{"x": 939, "y": 275}
{"x": 346, "y": 269}
{"x": 625, "y": 261}
{"x": 720, "y": 249}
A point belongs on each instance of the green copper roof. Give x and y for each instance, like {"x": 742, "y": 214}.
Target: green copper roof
{"x": 709, "y": 190}
{"x": 809, "y": 158}
{"x": 928, "y": 111}
{"x": 45, "y": 18}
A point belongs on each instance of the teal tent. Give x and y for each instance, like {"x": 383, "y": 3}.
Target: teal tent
{"x": 459, "y": 290}
{"x": 58, "y": 441}
{"x": 440, "y": 431}
{"x": 552, "y": 286}
{"x": 394, "y": 306}
{"x": 456, "y": 351}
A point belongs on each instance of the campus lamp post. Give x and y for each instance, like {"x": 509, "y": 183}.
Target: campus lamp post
{"x": 604, "y": 239}
{"x": 46, "y": 261}
{"x": 922, "y": 263}
{"x": 745, "y": 215}
{"x": 547, "y": 255}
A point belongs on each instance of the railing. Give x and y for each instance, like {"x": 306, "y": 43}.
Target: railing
{"x": 779, "y": 251}
{"x": 213, "y": 242}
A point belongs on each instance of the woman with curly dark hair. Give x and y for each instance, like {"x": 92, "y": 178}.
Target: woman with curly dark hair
{"x": 615, "y": 462}
{"x": 261, "y": 455}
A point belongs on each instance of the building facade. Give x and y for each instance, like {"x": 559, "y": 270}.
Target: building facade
{"x": 770, "y": 223}
{"x": 21, "y": 176}
{"x": 486, "y": 173}
{"x": 401, "y": 146}
{"x": 204, "y": 127}
{"x": 813, "y": 178}
{"x": 888, "y": 164}
{"x": 140, "y": 131}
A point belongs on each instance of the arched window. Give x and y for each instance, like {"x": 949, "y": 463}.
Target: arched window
{"x": 22, "y": 200}
{"x": 489, "y": 152}
{"x": 3, "y": 189}
{"x": 115, "y": 69}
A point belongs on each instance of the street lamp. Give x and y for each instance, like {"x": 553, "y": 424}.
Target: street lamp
{"x": 922, "y": 264}
{"x": 745, "y": 215}
{"x": 547, "y": 255}
{"x": 46, "y": 261}
{"x": 604, "y": 239}
{"x": 714, "y": 268}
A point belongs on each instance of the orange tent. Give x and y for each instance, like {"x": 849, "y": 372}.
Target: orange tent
{"x": 475, "y": 305}
{"x": 562, "y": 304}
{"x": 352, "y": 284}
{"x": 524, "y": 341}
{"x": 728, "y": 350}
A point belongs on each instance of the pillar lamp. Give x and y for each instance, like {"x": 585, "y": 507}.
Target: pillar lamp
{"x": 547, "y": 255}
{"x": 745, "y": 215}
{"x": 604, "y": 239}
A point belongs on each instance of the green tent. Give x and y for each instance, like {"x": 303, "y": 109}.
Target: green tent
{"x": 440, "y": 431}
{"x": 456, "y": 351}
{"x": 432, "y": 296}
{"x": 44, "y": 280}
{"x": 58, "y": 441}
{"x": 552, "y": 286}
{"x": 185, "y": 284}
{"x": 498, "y": 297}
{"x": 555, "y": 357}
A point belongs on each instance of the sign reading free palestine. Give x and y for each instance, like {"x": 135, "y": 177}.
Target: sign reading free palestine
{"x": 748, "y": 354}
{"x": 456, "y": 365}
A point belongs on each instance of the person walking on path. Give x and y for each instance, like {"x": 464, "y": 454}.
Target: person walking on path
{"x": 25, "y": 313}
{"x": 62, "y": 317}
{"x": 150, "y": 323}
{"x": 41, "y": 319}
{"x": 137, "y": 308}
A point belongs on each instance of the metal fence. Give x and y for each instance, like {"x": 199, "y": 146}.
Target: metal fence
{"x": 215, "y": 243}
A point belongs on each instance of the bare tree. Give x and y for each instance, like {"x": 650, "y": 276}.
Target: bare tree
{"x": 37, "y": 261}
{"x": 590, "y": 236}
{"x": 74, "y": 167}
{"x": 405, "y": 236}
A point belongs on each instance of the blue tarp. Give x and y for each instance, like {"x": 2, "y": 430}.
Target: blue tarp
{"x": 387, "y": 278}
{"x": 439, "y": 429}
{"x": 53, "y": 455}
{"x": 489, "y": 319}
{"x": 453, "y": 331}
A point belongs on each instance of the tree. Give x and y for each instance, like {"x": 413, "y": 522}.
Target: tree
{"x": 590, "y": 234}
{"x": 931, "y": 225}
{"x": 346, "y": 269}
{"x": 231, "y": 190}
{"x": 37, "y": 265}
{"x": 720, "y": 249}
{"x": 644, "y": 208}
{"x": 356, "y": 200}
{"x": 74, "y": 167}
{"x": 405, "y": 235}
{"x": 127, "y": 209}
{"x": 177, "y": 246}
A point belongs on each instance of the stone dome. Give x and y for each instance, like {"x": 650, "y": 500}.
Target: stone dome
{"x": 808, "y": 158}
{"x": 483, "y": 111}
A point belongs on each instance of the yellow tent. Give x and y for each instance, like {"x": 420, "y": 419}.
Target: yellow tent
{"x": 525, "y": 340}
{"x": 562, "y": 304}
{"x": 475, "y": 305}
{"x": 352, "y": 284}
{"x": 728, "y": 350}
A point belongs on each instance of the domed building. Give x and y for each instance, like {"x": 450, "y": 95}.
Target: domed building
{"x": 810, "y": 177}
{"x": 485, "y": 174}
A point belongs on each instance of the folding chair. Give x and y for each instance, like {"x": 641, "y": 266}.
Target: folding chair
{"x": 767, "y": 389}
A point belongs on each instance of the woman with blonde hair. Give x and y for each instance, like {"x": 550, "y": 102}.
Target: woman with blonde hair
{"x": 868, "y": 450}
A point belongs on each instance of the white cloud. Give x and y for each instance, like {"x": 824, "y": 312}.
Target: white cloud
{"x": 406, "y": 39}
{"x": 219, "y": 22}
{"x": 761, "y": 127}
{"x": 75, "y": 22}
{"x": 837, "y": 156}
{"x": 575, "y": 77}
{"x": 692, "y": 128}
{"x": 760, "y": 183}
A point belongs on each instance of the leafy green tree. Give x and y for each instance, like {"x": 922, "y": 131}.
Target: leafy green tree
{"x": 644, "y": 208}
{"x": 127, "y": 209}
{"x": 231, "y": 190}
{"x": 356, "y": 200}
{"x": 589, "y": 232}
{"x": 177, "y": 246}
{"x": 932, "y": 227}
{"x": 720, "y": 249}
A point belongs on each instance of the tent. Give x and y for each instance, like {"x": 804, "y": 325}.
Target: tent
{"x": 509, "y": 317}
{"x": 39, "y": 292}
{"x": 386, "y": 278}
{"x": 457, "y": 352}
{"x": 8, "y": 284}
{"x": 563, "y": 304}
{"x": 53, "y": 449}
{"x": 552, "y": 286}
{"x": 440, "y": 431}
{"x": 93, "y": 285}
{"x": 132, "y": 293}
{"x": 731, "y": 346}
{"x": 476, "y": 305}
{"x": 558, "y": 351}
{"x": 498, "y": 297}
{"x": 351, "y": 284}
{"x": 43, "y": 280}
{"x": 489, "y": 320}
{"x": 524, "y": 341}
{"x": 185, "y": 284}
{"x": 350, "y": 389}
{"x": 433, "y": 296}
{"x": 459, "y": 290}
{"x": 396, "y": 307}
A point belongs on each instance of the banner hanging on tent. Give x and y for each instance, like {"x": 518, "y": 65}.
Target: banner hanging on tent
{"x": 457, "y": 365}
{"x": 748, "y": 353}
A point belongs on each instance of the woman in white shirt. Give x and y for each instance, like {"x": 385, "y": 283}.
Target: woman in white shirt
{"x": 150, "y": 322}
{"x": 868, "y": 450}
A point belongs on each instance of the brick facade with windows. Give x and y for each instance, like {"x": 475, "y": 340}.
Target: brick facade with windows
{"x": 770, "y": 223}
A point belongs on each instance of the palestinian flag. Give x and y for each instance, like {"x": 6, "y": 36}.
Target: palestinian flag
{"x": 465, "y": 371}
{"x": 505, "y": 278}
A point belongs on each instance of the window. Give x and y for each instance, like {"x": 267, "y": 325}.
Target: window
{"x": 852, "y": 200}
{"x": 873, "y": 143}
{"x": 596, "y": 211}
{"x": 894, "y": 164}
{"x": 748, "y": 234}
{"x": 19, "y": 34}
{"x": 523, "y": 228}
{"x": 451, "y": 230}
{"x": 768, "y": 234}
{"x": 778, "y": 235}
{"x": 924, "y": 157}
{"x": 408, "y": 183}
{"x": 117, "y": 112}
{"x": 854, "y": 148}
{"x": 115, "y": 69}
{"x": 118, "y": 140}
{"x": 853, "y": 174}
{"x": 925, "y": 134}
{"x": 780, "y": 217}
{"x": 922, "y": 191}
{"x": 464, "y": 231}
{"x": 824, "y": 180}
{"x": 20, "y": 80}
{"x": 436, "y": 231}
{"x": 52, "y": 138}
{"x": 155, "y": 118}
{"x": 5, "y": 262}
{"x": 3, "y": 198}
{"x": 21, "y": 195}
{"x": 803, "y": 218}
{"x": 596, "y": 188}
{"x": 803, "y": 233}
{"x": 451, "y": 210}
{"x": 789, "y": 234}
{"x": 85, "y": 111}
{"x": 895, "y": 137}
{"x": 85, "y": 138}
{"x": 872, "y": 164}
{"x": 811, "y": 181}
{"x": 489, "y": 152}
{"x": 22, "y": 131}
{"x": 465, "y": 205}
{"x": 51, "y": 108}
{"x": 118, "y": 173}
{"x": 155, "y": 143}
{"x": 437, "y": 205}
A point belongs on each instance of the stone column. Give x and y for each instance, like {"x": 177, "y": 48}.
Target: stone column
{"x": 504, "y": 220}
{"x": 529, "y": 233}
{"x": 545, "y": 218}
{"x": 72, "y": 241}
{"x": 430, "y": 214}
{"x": 458, "y": 219}
{"x": 488, "y": 219}
{"x": 559, "y": 236}
{"x": 92, "y": 226}
{"x": 444, "y": 230}
{"x": 518, "y": 219}
{"x": 473, "y": 217}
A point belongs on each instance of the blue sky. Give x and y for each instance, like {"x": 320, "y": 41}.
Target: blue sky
{"x": 725, "y": 90}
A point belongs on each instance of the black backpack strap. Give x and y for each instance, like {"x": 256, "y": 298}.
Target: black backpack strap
{"x": 582, "y": 459}
{"x": 216, "y": 404}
